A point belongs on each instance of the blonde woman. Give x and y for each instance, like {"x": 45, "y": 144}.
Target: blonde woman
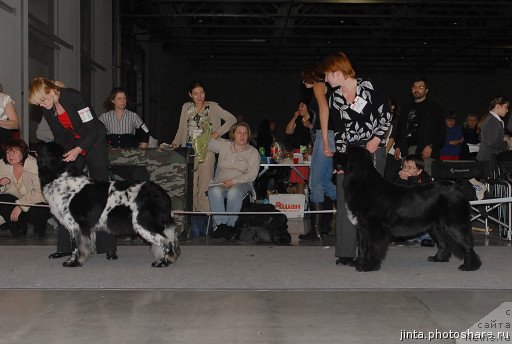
{"x": 76, "y": 128}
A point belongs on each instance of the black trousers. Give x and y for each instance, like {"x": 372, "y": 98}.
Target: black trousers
{"x": 104, "y": 241}
{"x": 37, "y": 216}
{"x": 346, "y": 233}
{"x": 97, "y": 165}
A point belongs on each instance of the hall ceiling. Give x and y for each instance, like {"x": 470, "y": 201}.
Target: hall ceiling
{"x": 437, "y": 36}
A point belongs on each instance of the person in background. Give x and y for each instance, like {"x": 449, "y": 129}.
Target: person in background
{"x": 264, "y": 141}
{"x": 411, "y": 174}
{"x": 361, "y": 117}
{"x": 298, "y": 134}
{"x": 76, "y": 128}
{"x": 193, "y": 115}
{"x": 392, "y": 163}
{"x": 8, "y": 119}
{"x": 237, "y": 168}
{"x": 492, "y": 131}
{"x": 124, "y": 127}
{"x": 19, "y": 183}
{"x": 422, "y": 127}
{"x": 323, "y": 191}
{"x": 273, "y": 131}
{"x": 471, "y": 134}
{"x": 454, "y": 139}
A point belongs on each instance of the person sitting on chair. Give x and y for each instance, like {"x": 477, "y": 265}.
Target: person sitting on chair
{"x": 19, "y": 183}
{"x": 237, "y": 168}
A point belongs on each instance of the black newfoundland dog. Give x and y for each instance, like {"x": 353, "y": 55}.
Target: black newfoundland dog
{"x": 379, "y": 209}
{"x": 85, "y": 206}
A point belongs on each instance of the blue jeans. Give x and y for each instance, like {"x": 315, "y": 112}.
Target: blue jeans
{"x": 320, "y": 174}
{"x": 233, "y": 196}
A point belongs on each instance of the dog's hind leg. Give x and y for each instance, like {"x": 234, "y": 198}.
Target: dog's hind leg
{"x": 472, "y": 261}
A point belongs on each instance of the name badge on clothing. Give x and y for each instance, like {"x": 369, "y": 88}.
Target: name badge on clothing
{"x": 85, "y": 115}
{"x": 358, "y": 104}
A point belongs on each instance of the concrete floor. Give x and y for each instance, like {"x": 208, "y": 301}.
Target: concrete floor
{"x": 245, "y": 316}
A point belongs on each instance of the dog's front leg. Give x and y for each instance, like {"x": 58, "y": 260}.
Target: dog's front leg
{"x": 171, "y": 251}
{"x": 373, "y": 247}
{"x": 73, "y": 261}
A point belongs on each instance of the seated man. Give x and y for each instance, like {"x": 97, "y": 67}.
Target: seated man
{"x": 237, "y": 168}
{"x": 124, "y": 128}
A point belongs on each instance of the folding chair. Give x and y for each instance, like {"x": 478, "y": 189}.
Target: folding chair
{"x": 497, "y": 188}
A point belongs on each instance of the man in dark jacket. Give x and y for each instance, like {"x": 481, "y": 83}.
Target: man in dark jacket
{"x": 421, "y": 128}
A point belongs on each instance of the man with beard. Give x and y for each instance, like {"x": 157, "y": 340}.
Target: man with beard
{"x": 421, "y": 128}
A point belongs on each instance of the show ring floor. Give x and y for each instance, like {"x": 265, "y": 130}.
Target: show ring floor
{"x": 229, "y": 293}
{"x": 251, "y": 268}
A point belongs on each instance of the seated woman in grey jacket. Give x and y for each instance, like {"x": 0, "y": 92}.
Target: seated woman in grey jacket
{"x": 237, "y": 168}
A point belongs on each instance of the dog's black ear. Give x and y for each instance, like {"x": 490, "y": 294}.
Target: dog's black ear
{"x": 358, "y": 158}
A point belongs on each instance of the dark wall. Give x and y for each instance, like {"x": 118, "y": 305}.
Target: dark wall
{"x": 258, "y": 95}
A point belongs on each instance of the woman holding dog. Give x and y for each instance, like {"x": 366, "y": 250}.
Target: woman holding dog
{"x": 363, "y": 118}
{"x": 19, "y": 183}
{"x": 76, "y": 128}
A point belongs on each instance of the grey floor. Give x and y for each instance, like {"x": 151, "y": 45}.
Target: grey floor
{"x": 240, "y": 316}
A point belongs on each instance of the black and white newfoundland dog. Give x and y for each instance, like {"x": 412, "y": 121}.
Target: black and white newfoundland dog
{"x": 85, "y": 206}
{"x": 379, "y": 209}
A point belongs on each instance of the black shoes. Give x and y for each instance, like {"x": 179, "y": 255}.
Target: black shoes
{"x": 59, "y": 255}
{"x": 224, "y": 231}
{"x": 112, "y": 255}
{"x": 312, "y": 235}
{"x": 345, "y": 261}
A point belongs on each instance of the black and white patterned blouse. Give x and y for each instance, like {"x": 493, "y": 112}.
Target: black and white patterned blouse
{"x": 368, "y": 116}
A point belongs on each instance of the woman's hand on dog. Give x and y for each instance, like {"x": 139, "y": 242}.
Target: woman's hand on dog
{"x": 373, "y": 145}
{"x": 72, "y": 154}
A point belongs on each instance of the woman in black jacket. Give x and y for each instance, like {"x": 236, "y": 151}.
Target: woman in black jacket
{"x": 76, "y": 128}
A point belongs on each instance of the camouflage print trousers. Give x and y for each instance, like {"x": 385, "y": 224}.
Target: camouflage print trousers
{"x": 166, "y": 167}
